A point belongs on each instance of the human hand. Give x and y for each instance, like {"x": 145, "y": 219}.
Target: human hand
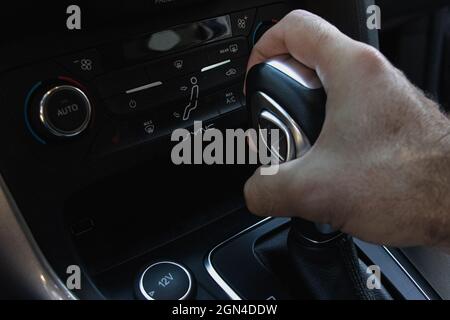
{"x": 380, "y": 169}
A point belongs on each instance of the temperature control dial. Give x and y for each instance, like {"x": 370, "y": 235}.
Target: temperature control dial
{"x": 65, "y": 111}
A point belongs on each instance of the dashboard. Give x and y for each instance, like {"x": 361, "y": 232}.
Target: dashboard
{"x": 85, "y": 132}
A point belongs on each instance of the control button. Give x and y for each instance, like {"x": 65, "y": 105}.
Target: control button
{"x": 230, "y": 72}
{"x": 86, "y": 64}
{"x": 190, "y": 108}
{"x": 122, "y": 135}
{"x": 166, "y": 281}
{"x": 65, "y": 111}
{"x": 242, "y": 22}
{"x": 229, "y": 49}
{"x": 178, "y": 90}
{"x": 131, "y": 103}
{"x": 176, "y": 65}
{"x": 121, "y": 81}
{"x": 184, "y": 88}
{"x": 148, "y": 128}
{"x": 126, "y": 104}
{"x": 226, "y": 100}
{"x": 180, "y": 117}
{"x": 185, "y": 115}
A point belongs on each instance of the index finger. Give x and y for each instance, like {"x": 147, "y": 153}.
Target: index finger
{"x": 306, "y": 37}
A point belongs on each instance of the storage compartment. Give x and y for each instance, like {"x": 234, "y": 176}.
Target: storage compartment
{"x": 138, "y": 210}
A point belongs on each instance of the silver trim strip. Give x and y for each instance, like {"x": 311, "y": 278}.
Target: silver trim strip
{"x": 144, "y": 87}
{"x": 407, "y": 273}
{"x": 263, "y": 102}
{"x": 212, "y": 271}
{"x": 266, "y": 115}
{"x": 27, "y": 267}
{"x": 324, "y": 241}
{"x": 296, "y": 71}
{"x": 141, "y": 280}
{"x": 216, "y": 65}
{"x": 234, "y": 296}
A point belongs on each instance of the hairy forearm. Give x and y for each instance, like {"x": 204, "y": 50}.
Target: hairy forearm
{"x": 438, "y": 170}
{"x": 380, "y": 170}
{"x": 445, "y": 182}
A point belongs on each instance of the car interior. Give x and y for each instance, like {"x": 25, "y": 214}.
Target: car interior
{"x": 98, "y": 190}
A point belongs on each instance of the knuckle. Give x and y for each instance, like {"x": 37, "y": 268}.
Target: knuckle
{"x": 298, "y": 13}
{"x": 370, "y": 59}
{"x": 304, "y": 16}
{"x": 309, "y": 22}
{"x": 323, "y": 33}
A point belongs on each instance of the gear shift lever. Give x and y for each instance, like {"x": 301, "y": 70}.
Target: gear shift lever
{"x": 284, "y": 94}
{"x": 286, "y": 90}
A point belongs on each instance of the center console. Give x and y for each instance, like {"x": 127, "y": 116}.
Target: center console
{"x": 85, "y": 134}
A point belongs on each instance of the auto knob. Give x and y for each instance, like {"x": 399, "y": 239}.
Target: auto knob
{"x": 61, "y": 111}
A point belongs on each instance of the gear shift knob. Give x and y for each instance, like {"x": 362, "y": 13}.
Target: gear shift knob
{"x": 285, "y": 94}
{"x": 282, "y": 93}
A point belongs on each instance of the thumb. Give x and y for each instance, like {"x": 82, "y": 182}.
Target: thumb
{"x": 282, "y": 194}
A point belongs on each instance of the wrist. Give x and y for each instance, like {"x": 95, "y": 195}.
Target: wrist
{"x": 439, "y": 173}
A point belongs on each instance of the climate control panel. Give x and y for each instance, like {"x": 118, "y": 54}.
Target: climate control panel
{"x": 86, "y": 120}
{"x": 116, "y": 96}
